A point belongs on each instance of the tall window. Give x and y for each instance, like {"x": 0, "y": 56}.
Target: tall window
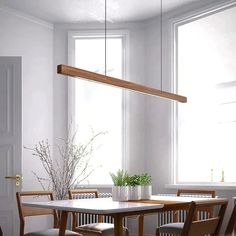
{"x": 206, "y": 125}
{"x": 99, "y": 107}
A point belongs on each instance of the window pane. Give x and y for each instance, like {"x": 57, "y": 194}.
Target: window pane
{"x": 98, "y": 106}
{"x": 206, "y": 125}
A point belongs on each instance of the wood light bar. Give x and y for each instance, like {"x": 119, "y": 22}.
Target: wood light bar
{"x": 91, "y": 76}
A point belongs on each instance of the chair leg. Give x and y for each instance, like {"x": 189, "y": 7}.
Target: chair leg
{"x": 158, "y": 232}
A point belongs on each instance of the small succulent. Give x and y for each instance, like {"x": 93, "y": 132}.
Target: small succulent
{"x": 133, "y": 180}
{"x": 119, "y": 178}
{"x": 145, "y": 179}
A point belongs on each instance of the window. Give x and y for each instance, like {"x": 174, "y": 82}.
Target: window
{"x": 99, "y": 107}
{"x": 206, "y": 125}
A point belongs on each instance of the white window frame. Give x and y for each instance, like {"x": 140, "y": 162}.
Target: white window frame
{"x": 72, "y": 36}
{"x": 173, "y": 32}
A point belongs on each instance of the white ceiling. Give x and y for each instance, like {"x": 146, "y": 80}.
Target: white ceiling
{"x": 67, "y": 11}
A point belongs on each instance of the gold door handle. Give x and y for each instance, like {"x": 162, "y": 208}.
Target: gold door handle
{"x": 17, "y": 178}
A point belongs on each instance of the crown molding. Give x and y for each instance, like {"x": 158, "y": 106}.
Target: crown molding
{"x": 26, "y": 17}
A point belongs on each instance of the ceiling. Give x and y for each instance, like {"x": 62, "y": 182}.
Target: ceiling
{"x": 68, "y": 11}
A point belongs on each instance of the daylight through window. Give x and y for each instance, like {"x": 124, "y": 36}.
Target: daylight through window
{"x": 100, "y": 107}
{"x": 206, "y": 125}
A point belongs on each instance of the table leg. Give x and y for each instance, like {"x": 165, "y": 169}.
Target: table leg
{"x": 118, "y": 225}
{"x": 62, "y": 223}
{"x": 140, "y": 225}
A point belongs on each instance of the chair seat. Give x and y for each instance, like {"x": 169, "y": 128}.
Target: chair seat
{"x": 172, "y": 228}
{"x": 51, "y": 232}
{"x": 106, "y": 229}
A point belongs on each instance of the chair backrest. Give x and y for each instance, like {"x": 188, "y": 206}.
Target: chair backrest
{"x": 199, "y": 192}
{"x": 202, "y": 213}
{"x": 82, "y": 193}
{"x": 210, "y": 226}
{"x": 25, "y": 211}
{"x": 77, "y": 193}
{"x": 232, "y": 222}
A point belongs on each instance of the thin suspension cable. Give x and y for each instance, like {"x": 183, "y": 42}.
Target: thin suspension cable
{"x": 161, "y": 43}
{"x": 105, "y": 37}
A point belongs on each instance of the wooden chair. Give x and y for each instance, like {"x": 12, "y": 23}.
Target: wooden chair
{"x": 200, "y": 192}
{"x": 25, "y": 211}
{"x": 232, "y": 222}
{"x": 192, "y": 227}
{"x": 99, "y": 228}
{"x": 203, "y": 213}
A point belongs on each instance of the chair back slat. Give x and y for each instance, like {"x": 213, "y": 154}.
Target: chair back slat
{"x": 212, "y": 225}
{"x": 200, "y": 192}
{"x": 74, "y": 192}
{"x": 33, "y": 211}
{"x": 203, "y": 227}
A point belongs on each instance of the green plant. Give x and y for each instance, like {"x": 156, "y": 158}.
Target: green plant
{"x": 133, "y": 180}
{"x": 119, "y": 178}
{"x": 145, "y": 179}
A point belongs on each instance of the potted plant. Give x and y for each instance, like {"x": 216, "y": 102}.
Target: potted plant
{"x": 120, "y": 188}
{"x": 133, "y": 182}
{"x": 146, "y": 187}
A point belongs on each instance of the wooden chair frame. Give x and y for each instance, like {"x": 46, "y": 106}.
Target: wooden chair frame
{"x": 232, "y": 222}
{"x": 193, "y": 192}
{"x": 25, "y": 211}
{"x": 210, "y": 226}
{"x": 211, "y": 193}
{"x": 75, "y": 216}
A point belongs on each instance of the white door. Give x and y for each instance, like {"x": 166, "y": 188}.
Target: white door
{"x": 10, "y": 141}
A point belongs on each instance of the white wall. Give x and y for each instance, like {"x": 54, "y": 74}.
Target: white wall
{"x": 157, "y": 117}
{"x": 22, "y": 36}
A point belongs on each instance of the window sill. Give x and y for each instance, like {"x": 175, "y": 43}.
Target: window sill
{"x": 217, "y": 186}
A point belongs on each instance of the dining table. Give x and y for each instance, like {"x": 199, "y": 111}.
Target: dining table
{"x": 117, "y": 210}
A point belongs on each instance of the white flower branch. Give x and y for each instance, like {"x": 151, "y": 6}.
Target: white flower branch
{"x": 71, "y": 167}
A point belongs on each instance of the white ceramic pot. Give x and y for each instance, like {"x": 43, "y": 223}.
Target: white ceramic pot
{"x": 146, "y": 191}
{"x": 135, "y": 192}
{"x": 120, "y": 193}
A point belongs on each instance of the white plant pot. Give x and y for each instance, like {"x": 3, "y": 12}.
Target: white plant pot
{"x": 120, "y": 193}
{"x": 135, "y": 192}
{"x": 146, "y": 191}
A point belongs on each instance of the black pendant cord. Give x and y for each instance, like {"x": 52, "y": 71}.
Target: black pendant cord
{"x": 105, "y": 37}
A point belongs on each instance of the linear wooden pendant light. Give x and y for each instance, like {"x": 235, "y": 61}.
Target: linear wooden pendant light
{"x": 95, "y": 77}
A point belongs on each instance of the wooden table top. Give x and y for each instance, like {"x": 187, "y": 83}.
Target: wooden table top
{"x": 175, "y": 202}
